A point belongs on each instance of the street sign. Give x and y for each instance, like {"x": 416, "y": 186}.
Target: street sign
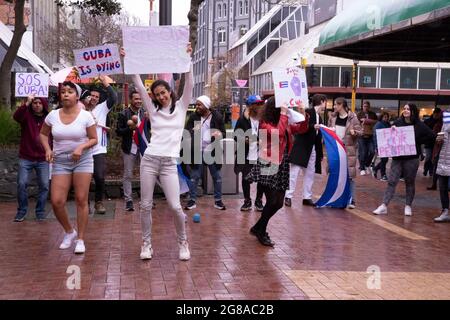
{"x": 241, "y": 83}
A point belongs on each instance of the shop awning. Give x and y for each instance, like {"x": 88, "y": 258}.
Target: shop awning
{"x": 387, "y": 30}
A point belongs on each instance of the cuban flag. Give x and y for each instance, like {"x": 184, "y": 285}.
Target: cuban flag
{"x": 184, "y": 181}
{"x": 447, "y": 118}
{"x": 337, "y": 192}
{"x": 140, "y": 136}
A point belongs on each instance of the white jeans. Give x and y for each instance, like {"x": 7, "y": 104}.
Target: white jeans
{"x": 308, "y": 177}
{"x": 165, "y": 168}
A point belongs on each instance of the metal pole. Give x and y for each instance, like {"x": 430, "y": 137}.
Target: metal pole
{"x": 165, "y": 12}
{"x": 355, "y": 65}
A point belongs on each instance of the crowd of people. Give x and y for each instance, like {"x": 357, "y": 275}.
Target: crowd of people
{"x": 272, "y": 148}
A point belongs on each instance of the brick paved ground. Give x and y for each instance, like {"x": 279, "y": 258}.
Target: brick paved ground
{"x": 319, "y": 254}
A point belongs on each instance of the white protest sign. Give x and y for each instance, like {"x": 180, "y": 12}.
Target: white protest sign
{"x": 156, "y": 49}
{"x": 35, "y": 84}
{"x": 95, "y": 61}
{"x": 394, "y": 142}
{"x": 290, "y": 86}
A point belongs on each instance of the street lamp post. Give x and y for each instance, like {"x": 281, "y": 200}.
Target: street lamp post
{"x": 165, "y": 12}
{"x": 355, "y": 66}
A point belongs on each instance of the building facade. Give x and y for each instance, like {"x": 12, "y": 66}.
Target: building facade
{"x": 39, "y": 17}
{"x": 387, "y": 85}
{"x": 221, "y": 23}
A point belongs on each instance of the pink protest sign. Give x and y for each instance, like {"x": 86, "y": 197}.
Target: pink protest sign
{"x": 397, "y": 141}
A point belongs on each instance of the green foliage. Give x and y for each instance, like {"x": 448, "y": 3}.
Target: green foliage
{"x": 9, "y": 129}
{"x": 94, "y": 7}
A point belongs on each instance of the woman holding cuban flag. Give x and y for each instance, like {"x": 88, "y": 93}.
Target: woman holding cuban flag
{"x": 347, "y": 127}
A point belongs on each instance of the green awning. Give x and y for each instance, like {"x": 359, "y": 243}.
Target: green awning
{"x": 356, "y": 31}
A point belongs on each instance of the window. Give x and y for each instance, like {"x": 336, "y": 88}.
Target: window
{"x": 246, "y": 7}
{"x": 346, "y": 77}
{"x": 252, "y": 43}
{"x": 313, "y": 76}
{"x": 272, "y": 46}
{"x": 291, "y": 28}
{"x": 408, "y": 78}
{"x": 330, "y": 77}
{"x": 427, "y": 78}
{"x": 224, "y": 10}
{"x": 264, "y": 31}
{"x": 389, "y": 77}
{"x": 219, "y": 11}
{"x": 259, "y": 58}
{"x": 367, "y": 77}
{"x": 221, "y": 35}
{"x": 275, "y": 21}
{"x": 241, "y": 8}
{"x": 445, "y": 79}
{"x": 283, "y": 31}
{"x": 285, "y": 12}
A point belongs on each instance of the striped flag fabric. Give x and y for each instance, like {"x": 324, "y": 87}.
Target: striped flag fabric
{"x": 337, "y": 192}
{"x": 140, "y": 136}
{"x": 447, "y": 117}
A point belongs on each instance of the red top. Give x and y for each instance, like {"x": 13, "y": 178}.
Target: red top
{"x": 274, "y": 138}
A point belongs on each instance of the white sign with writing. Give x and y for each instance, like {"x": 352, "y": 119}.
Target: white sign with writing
{"x": 35, "y": 84}
{"x": 96, "y": 61}
{"x": 159, "y": 49}
{"x": 396, "y": 141}
{"x": 290, "y": 86}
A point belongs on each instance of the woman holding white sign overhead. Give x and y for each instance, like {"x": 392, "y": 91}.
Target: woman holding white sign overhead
{"x": 167, "y": 117}
{"x": 406, "y": 165}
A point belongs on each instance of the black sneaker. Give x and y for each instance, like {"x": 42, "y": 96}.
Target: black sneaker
{"x": 384, "y": 178}
{"x": 287, "y": 202}
{"x": 247, "y": 205}
{"x": 19, "y": 218}
{"x": 219, "y": 205}
{"x": 259, "y": 205}
{"x": 129, "y": 206}
{"x": 190, "y": 205}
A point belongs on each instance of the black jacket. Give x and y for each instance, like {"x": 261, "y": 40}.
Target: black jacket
{"x": 243, "y": 125}
{"x": 423, "y": 135}
{"x": 303, "y": 144}
{"x": 216, "y": 123}
{"x": 124, "y": 131}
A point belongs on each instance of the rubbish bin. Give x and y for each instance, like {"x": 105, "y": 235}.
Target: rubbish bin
{"x": 230, "y": 181}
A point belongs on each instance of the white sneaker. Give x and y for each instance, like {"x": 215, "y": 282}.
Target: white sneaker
{"x": 381, "y": 209}
{"x": 444, "y": 217}
{"x": 184, "y": 250}
{"x": 80, "y": 248}
{"x": 146, "y": 251}
{"x": 67, "y": 241}
{"x": 363, "y": 172}
{"x": 368, "y": 171}
{"x": 408, "y": 211}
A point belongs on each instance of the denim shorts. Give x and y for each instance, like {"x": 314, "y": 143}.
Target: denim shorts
{"x": 63, "y": 164}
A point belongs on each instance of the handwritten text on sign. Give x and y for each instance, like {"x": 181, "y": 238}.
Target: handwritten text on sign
{"x": 156, "y": 49}
{"x": 290, "y": 86}
{"x": 35, "y": 84}
{"x": 394, "y": 142}
{"x": 95, "y": 61}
